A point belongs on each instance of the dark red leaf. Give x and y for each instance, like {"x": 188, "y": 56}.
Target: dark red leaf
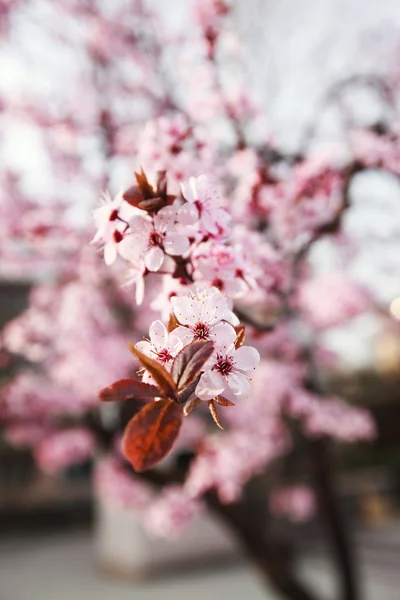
{"x": 133, "y": 196}
{"x": 189, "y": 362}
{"x": 151, "y": 204}
{"x": 189, "y": 406}
{"x": 173, "y": 322}
{"x": 214, "y": 414}
{"x": 240, "y": 335}
{"x": 151, "y": 433}
{"x": 145, "y": 188}
{"x": 160, "y": 375}
{"x": 223, "y": 401}
{"x": 129, "y": 388}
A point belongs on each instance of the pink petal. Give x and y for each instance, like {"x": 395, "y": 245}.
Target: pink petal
{"x": 131, "y": 247}
{"x": 211, "y": 384}
{"x": 183, "y": 334}
{"x": 141, "y": 225}
{"x": 139, "y": 290}
{"x": 158, "y": 334}
{"x": 188, "y": 214}
{"x": 176, "y": 244}
{"x": 223, "y": 335}
{"x": 145, "y": 347}
{"x": 239, "y": 384}
{"x": 209, "y": 223}
{"x": 186, "y": 309}
{"x": 246, "y": 358}
{"x": 110, "y": 253}
{"x": 153, "y": 258}
{"x": 174, "y": 344}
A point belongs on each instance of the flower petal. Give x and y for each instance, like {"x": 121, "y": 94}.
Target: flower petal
{"x": 246, "y": 358}
{"x": 176, "y": 244}
{"x": 183, "y": 334}
{"x": 223, "y": 335}
{"x": 174, "y": 344}
{"x": 153, "y": 258}
{"x": 139, "y": 290}
{"x": 239, "y": 384}
{"x": 146, "y": 348}
{"x": 110, "y": 253}
{"x": 186, "y": 309}
{"x": 211, "y": 384}
{"x": 188, "y": 214}
{"x": 158, "y": 334}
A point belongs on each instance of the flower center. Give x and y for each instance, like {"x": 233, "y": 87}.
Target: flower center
{"x": 118, "y": 237}
{"x": 201, "y": 331}
{"x": 164, "y": 355}
{"x": 218, "y": 283}
{"x": 155, "y": 238}
{"x": 224, "y": 365}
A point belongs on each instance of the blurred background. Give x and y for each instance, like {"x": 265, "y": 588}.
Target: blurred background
{"x": 83, "y": 86}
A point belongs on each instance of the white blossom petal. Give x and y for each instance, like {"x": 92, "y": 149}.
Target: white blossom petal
{"x": 176, "y": 244}
{"x": 110, "y": 253}
{"x": 209, "y": 223}
{"x": 153, "y": 258}
{"x": 145, "y": 347}
{"x": 186, "y": 309}
{"x": 211, "y": 384}
{"x": 223, "y": 335}
{"x": 174, "y": 344}
{"x": 188, "y": 214}
{"x": 183, "y": 334}
{"x": 141, "y": 225}
{"x": 239, "y": 384}
{"x": 139, "y": 290}
{"x": 131, "y": 247}
{"x": 246, "y": 358}
{"x": 158, "y": 334}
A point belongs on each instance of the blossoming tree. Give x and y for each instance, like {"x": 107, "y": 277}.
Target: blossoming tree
{"x": 220, "y": 304}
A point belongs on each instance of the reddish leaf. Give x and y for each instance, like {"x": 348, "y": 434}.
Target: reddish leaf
{"x": 151, "y": 204}
{"x": 133, "y": 196}
{"x": 240, "y": 335}
{"x": 189, "y": 406}
{"x": 223, "y": 401}
{"x": 160, "y": 375}
{"x": 189, "y": 362}
{"x": 145, "y": 188}
{"x": 129, "y": 388}
{"x": 151, "y": 433}
{"x": 214, "y": 414}
{"x": 173, "y": 322}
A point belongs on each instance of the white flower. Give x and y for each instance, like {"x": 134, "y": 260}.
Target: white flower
{"x": 204, "y": 314}
{"x": 203, "y": 205}
{"x": 136, "y": 275}
{"x": 111, "y": 222}
{"x": 162, "y": 346}
{"x": 225, "y": 376}
{"x": 153, "y": 237}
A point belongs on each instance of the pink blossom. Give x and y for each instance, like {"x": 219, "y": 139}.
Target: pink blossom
{"x": 115, "y": 485}
{"x": 203, "y": 314}
{"x": 151, "y": 238}
{"x": 204, "y": 204}
{"x": 330, "y": 299}
{"x": 225, "y": 375}
{"x": 162, "y": 346}
{"x": 296, "y": 503}
{"x": 171, "y": 512}
{"x": 111, "y": 222}
{"x": 64, "y": 448}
